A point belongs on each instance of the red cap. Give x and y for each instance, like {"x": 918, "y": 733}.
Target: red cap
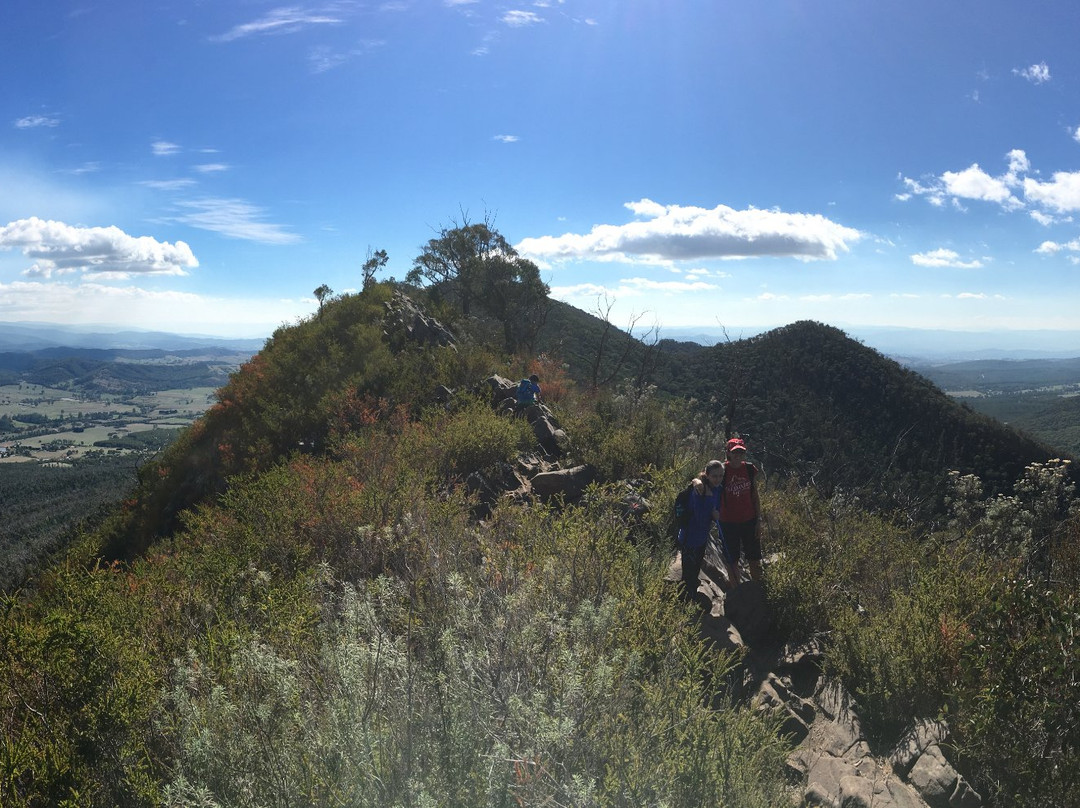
{"x": 735, "y": 444}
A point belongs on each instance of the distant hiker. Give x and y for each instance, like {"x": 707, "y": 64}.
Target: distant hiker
{"x": 740, "y": 513}
{"x": 528, "y": 393}
{"x": 702, "y": 509}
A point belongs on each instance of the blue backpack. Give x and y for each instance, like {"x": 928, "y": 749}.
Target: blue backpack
{"x": 525, "y": 393}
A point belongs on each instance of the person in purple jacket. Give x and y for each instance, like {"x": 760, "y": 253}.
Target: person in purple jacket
{"x": 693, "y": 538}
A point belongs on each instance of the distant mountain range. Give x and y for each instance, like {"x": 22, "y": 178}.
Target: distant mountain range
{"x": 37, "y": 336}
{"x": 914, "y": 344}
{"x": 907, "y": 345}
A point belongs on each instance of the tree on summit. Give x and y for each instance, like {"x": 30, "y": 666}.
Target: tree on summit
{"x": 457, "y": 257}
{"x": 474, "y": 263}
{"x": 321, "y": 293}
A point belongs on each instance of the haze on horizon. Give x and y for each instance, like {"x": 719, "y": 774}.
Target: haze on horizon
{"x": 201, "y": 168}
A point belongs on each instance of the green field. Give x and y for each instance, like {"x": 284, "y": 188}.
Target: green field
{"x": 67, "y": 426}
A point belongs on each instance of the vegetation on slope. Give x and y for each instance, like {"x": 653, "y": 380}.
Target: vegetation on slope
{"x": 333, "y": 629}
{"x": 837, "y": 415}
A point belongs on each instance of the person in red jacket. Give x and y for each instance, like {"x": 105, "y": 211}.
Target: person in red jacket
{"x": 740, "y": 513}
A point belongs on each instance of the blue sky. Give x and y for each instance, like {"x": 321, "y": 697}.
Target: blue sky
{"x": 201, "y": 166}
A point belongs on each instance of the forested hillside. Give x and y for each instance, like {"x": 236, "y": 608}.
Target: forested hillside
{"x": 838, "y": 415}
{"x": 300, "y": 604}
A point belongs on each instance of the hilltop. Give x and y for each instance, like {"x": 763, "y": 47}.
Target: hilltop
{"x": 303, "y": 603}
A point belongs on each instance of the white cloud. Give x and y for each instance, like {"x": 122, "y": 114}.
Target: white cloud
{"x": 506, "y": 138}
{"x": 35, "y": 121}
{"x": 1018, "y": 164}
{"x": 169, "y": 185}
{"x": 280, "y": 21}
{"x": 519, "y": 19}
{"x": 943, "y": 258}
{"x": 211, "y": 168}
{"x": 675, "y": 232}
{"x": 1076, "y": 134}
{"x": 163, "y": 148}
{"x": 91, "y": 167}
{"x": 974, "y": 183}
{"x": 1062, "y": 193}
{"x": 106, "y": 252}
{"x": 1053, "y": 247}
{"x": 234, "y": 218}
{"x": 1036, "y": 74}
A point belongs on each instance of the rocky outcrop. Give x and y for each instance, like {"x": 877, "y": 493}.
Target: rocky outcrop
{"x": 831, "y": 761}
{"x": 405, "y": 320}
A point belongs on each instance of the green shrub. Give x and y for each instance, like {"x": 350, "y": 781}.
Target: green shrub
{"x": 539, "y": 659}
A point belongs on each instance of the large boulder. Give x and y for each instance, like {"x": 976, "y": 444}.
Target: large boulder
{"x": 501, "y": 391}
{"x": 939, "y": 783}
{"x": 568, "y": 483}
{"x": 550, "y": 437}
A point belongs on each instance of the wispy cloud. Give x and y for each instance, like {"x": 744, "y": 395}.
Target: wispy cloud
{"x": 211, "y": 168}
{"x": 519, "y": 19}
{"x": 163, "y": 148}
{"x": 234, "y": 218}
{"x": 1053, "y": 247}
{"x": 91, "y": 167}
{"x": 675, "y": 233}
{"x": 506, "y": 138}
{"x": 324, "y": 58}
{"x": 1036, "y": 74}
{"x": 944, "y": 258}
{"x": 106, "y": 252}
{"x": 287, "y": 20}
{"x": 169, "y": 185}
{"x": 36, "y": 121}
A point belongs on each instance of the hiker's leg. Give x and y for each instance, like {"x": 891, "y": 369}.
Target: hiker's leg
{"x": 730, "y": 548}
{"x": 691, "y": 569}
{"x": 752, "y": 548}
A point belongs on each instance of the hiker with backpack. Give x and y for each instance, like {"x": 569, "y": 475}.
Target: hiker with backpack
{"x": 527, "y": 395}
{"x": 696, "y": 509}
{"x": 740, "y": 513}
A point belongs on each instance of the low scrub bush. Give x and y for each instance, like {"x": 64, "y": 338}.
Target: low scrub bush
{"x": 536, "y": 660}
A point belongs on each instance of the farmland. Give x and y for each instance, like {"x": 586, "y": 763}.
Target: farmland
{"x": 39, "y": 423}
{"x": 75, "y": 427}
